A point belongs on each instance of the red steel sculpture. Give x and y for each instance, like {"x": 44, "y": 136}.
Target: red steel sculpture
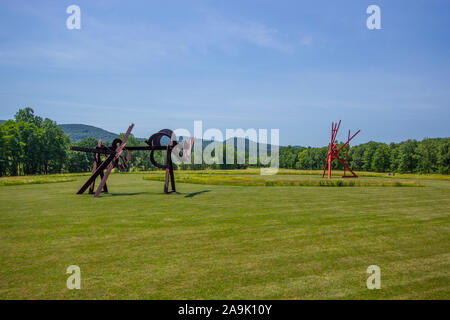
{"x": 115, "y": 159}
{"x": 333, "y": 152}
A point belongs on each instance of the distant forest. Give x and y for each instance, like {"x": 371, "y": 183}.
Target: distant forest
{"x": 30, "y": 144}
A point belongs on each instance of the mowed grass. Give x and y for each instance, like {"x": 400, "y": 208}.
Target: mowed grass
{"x": 225, "y": 242}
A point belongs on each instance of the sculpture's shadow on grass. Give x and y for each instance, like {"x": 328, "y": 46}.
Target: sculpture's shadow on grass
{"x": 193, "y": 194}
{"x": 187, "y": 195}
{"x": 126, "y": 194}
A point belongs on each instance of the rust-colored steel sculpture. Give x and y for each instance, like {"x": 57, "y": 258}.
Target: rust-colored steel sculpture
{"x": 97, "y": 163}
{"x": 114, "y": 158}
{"x": 333, "y": 152}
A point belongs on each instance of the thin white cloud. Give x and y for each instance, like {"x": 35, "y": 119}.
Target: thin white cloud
{"x": 140, "y": 43}
{"x": 306, "y": 41}
{"x": 255, "y": 33}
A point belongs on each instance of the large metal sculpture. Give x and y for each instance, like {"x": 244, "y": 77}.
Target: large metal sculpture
{"x": 333, "y": 152}
{"x": 115, "y": 159}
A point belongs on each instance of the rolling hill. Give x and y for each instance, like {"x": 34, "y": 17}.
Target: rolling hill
{"x": 78, "y": 132}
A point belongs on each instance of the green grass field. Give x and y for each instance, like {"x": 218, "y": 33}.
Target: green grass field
{"x": 215, "y": 240}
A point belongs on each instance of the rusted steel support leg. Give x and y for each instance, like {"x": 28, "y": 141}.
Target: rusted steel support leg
{"x": 170, "y": 179}
{"x": 92, "y": 186}
{"x": 166, "y": 181}
{"x": 97, "y": 163}
{"x": 105, "y": 187}
{"x": 98, "y": 171}
{"x": 105, "y": 177}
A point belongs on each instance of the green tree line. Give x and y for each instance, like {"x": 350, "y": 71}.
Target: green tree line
{"x": 30, "y": 144}
{"x": 426, "y": 156}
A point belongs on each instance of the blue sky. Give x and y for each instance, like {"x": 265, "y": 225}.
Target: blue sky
{"x": 291, "y": 65}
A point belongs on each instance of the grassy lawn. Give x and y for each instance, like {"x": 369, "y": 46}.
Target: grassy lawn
{"x": 220, "y": 241}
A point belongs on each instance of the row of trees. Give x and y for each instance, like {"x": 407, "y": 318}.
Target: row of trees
{"x": 32, "y": 145}
{"x": 426, "y": 156}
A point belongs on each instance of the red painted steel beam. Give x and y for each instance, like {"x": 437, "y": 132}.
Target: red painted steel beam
{"x": 348, "y": 141}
